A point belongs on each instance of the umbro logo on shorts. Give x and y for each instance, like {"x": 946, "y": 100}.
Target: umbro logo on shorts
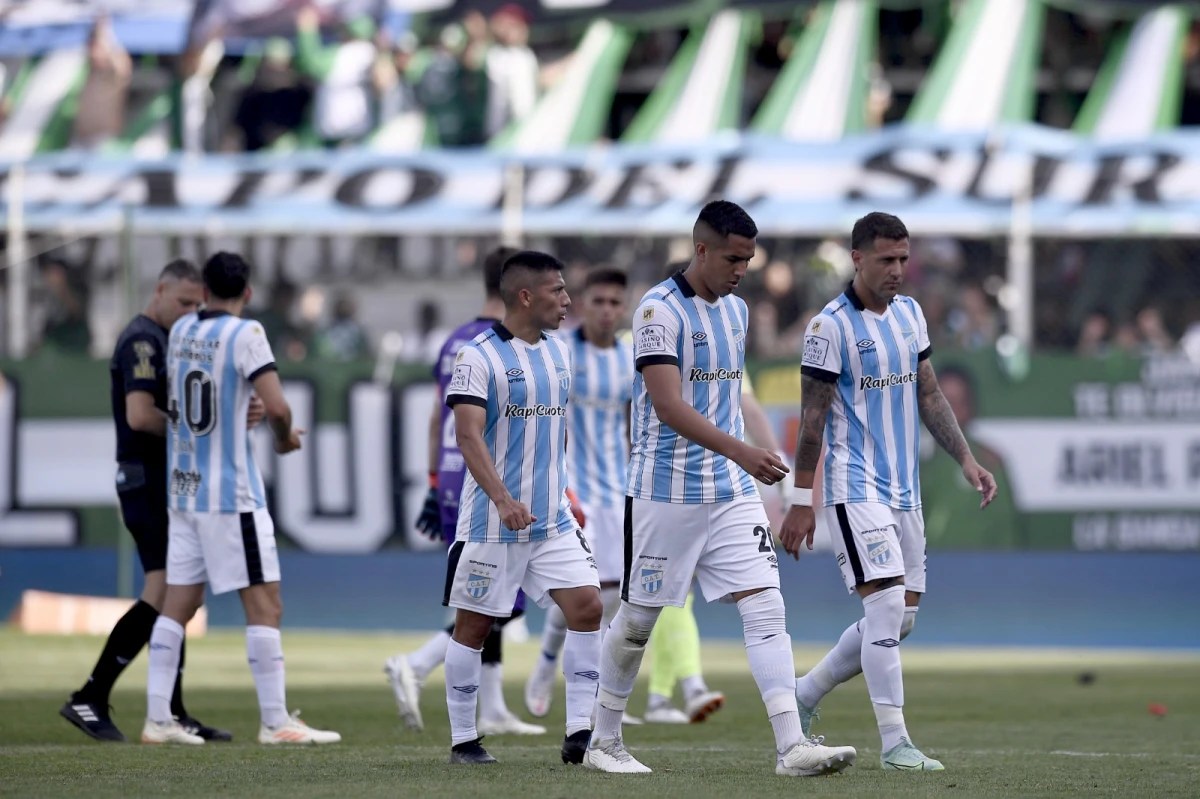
{"x": 887, "y": 642}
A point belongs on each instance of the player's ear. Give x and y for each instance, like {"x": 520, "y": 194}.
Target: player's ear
{"x": 247, "y": 294}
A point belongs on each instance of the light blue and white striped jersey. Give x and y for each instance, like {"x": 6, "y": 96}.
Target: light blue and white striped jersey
{"x": 212, "y": 359}
{"x": 707, "y": 341}
{"x": 598, "y": 446}
{"x": 524, "y": 389}
{"x": 872, "y": 432}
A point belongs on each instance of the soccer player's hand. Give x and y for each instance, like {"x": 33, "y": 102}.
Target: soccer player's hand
{"x": 762, "y": 464}
{"x": 430, "y": 520}
{"x": 256, "y": 412}
{"x": 576, "y": 509}
{"x": 291, "y": 443}
{"x": 797, "y": 530}
{"x": 983, "y": 481}
{"x": 514, "y": 515}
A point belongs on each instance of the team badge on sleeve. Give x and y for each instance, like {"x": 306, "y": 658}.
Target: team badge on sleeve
{"x": 815, "y": 350}
{"x": 461, "y": 378}
{"x": 648, "y": 313}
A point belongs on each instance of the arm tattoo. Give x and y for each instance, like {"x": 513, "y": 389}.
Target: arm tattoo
{"x": 815, "y": 398}
{"x": 937, "y": 414}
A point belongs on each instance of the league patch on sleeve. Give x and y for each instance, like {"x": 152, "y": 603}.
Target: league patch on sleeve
{"x": 651, "y": 340}
{"x": 461, "y": 379}
{"x": 815, "y": 350}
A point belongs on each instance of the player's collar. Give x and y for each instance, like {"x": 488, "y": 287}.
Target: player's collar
{"x": 505, "y": 334}
{"x": 207, "y": 314}
{"x": 486, "y": 319}
{"x": 852, "y": 295}
{"x": 685, "y": 288}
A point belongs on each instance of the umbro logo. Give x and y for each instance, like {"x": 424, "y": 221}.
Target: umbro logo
{"x": 159, "y": 647}
{"x": 866, "y": 345}
{"x": 887, "y": 642}
{"x": 515, "y": 375}
{"x": 467, "y": 689}
{"x": 699, "y": 336}
{"x": 588, "y": 675}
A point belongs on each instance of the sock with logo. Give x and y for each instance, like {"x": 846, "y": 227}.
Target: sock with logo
{"x": 165, "y": 641}
{"x": 620, "y": 659}
{"x": 581, "y": 667}
{"x": 843, "y": 662}
{"x": 131, "y": 633}
{"x": 463, "y": 667}
{"x": 883, "y": 617}
{"x": 264, "y": 650}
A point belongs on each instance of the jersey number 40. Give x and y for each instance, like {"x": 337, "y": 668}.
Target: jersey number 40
{"x": 199, "y": 403}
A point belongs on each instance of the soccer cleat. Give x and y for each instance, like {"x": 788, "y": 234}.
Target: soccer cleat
{"x": 666, "y": 714}
{"x": 508, "y": 725}
{"x": 92, "y": 719}
{"x": 575, "y": 747}
{"x": 470, "y": 753}
{"x": 539, "y": 688}
{"x": 701, "y": 706}
{"x": 295, "y": 731}
{"x": 906, "y": 757}
{"x": 613, "y": 757}
{"x": 407, "y": 689}
{"x": 811, "y": 758}
{"x": 168, "y": 732}
{"x": 629, "y": 721}
{"x": 196, "y": 727}
{"x": 807, "y": 716}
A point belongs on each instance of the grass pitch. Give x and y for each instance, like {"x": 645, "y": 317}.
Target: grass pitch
{"x": 1005, "y": 723}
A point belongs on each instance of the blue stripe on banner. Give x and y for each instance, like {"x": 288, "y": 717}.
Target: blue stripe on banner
{"x": 722, "y": 480}
{"x": 603, "y": 421}
{"x": 874, "y": 401}
{"x": 856, "y": 465}
{"x": 514, "y": 453}
{"x": 230, "y": 383}
{"x": 578, "y": 413}
{"x": 693, "y": 480}
{"x": 896, "y": 395}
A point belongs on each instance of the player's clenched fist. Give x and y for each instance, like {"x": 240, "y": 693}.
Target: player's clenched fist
{"x": 514, "y": 515}
{"x": 797, "y": 530}
{"x": 289, "y": 444}
{"x": 762, "y": 464}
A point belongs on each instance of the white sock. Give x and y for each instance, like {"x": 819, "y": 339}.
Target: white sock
{"x": 882, "y": 619}
{"x": 843, "y": 662}
{"x": 463, "y": 667}
{"x": 692, "y": 687}
{"x": 165, "y": 641}
{"x": 620, "y": 658}
{"x": 491, "y": 691}
{"x": 264, "y": 650}
{"x": 554, "y": 632}
{"x": 610, "y": 599}
{"x": 429, "y": 656}
{"x": 581, "y": 667}
{"x": 769, "y": 649}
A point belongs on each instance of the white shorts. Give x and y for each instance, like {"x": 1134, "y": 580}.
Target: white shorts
{"x": 727, "y": 546}
{"x": 605, "y": 531}
{"x": 874, "y": 541}
{"x": 485, "y": 578}
{"x": 229, "y": 551}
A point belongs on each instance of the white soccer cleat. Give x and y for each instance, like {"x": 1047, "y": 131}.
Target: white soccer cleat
{"x": 168, "y": 732}
{"x": 295, "y": 731}
{"x": 508, "y": 725}
{"x": 629, "y": 721}
{"x": 811, "y": 758}
{"x": 407, "y": 689}
{"x": 613, "y": 757}
{"x": 703, "y": 705}
{"x": 666, "y": 714}
{"x": 539, "y": 688}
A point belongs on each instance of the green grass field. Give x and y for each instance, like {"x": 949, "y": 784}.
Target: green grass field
{"x": 1005, "y": 723}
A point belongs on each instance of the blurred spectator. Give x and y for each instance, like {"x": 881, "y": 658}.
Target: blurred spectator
{"x": 344, "y": 339}
{"x": 101, "y": 114}
{"x": 392, "y": 80}
{"x": 1093, "y": 335}
{"x": 422, "y": 346}
{"x": 275, "y": 103}
{"x": 1190, "y": 343}
{"x": 343, "y": 110}
{"x": 1126, "y": 340}
{"x": 66, "y": 328}
{"x": 974, "y": 322}
{"x": 512, "y": 69}
{"x": 286, "y": 338}
{"x": 1154, "y": 338}
{"x": 453, "y": 88}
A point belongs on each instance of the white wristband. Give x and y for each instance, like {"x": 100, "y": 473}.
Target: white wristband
{"x": 802, "y": 497}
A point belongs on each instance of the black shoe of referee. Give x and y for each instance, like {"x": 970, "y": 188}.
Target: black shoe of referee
{"x": 196, "y": 727}
{"x": 470, "y": 752}
{"x": 92, "y": 718}
{"x": 575, "y": 747}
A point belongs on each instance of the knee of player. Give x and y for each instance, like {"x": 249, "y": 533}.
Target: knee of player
{"x": 636, "y": 622}
{"x": 585, "y": 612}
{"x": 471, "y": 629}
{"x": 763, "y": 615}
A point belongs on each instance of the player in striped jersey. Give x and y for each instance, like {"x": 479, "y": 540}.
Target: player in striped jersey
{"x": 220, "y": 531}
{"x": 692, "y": 507}
{"x": 866, "y": 381}
{"x": 515, "y": 531}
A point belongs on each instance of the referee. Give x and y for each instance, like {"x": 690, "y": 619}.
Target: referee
{"x": 139, "y": 401}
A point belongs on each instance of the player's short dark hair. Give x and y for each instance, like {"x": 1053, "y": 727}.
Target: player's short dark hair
{"x": 606, "y": 276}
{"x": 725, "y": 218}
{"x": 493, "y": 267}
{"x": 521, "y": 264}
{"x": 226, "y": 275}
{"x": 876, "y": 225}
{"x": 181, "y": 269}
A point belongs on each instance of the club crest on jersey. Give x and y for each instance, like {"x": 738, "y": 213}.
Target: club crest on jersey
{"x": 879, "y": 553}
{"x": 739, "y": 338}
{"x": 648, "y": 314}
{"x": 564, "y": 379}
{"x": 478, "y": 584}
{"x": 652, "y": 580}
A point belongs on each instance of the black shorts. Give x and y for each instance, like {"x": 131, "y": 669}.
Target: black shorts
{"x": 143, "y": 495}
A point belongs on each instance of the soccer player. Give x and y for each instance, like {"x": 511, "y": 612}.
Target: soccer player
{"x": 866, "y": 380}
{"x": 220, "y": 531}
{"x": 515, "y": 530}
{"x": 439, "y": 518}
{"x": 139, "y": 403}
{"x": 692, "y": 508}
{"x": 598, "y": 453}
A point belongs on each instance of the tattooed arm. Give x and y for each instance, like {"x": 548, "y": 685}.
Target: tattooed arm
{"x": 815, "y": 398}
{"x": 939, "y": 419}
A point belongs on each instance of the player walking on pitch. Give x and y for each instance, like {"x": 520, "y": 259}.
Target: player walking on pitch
{"x": 515, "y": 531}
{"x": 692, "y": 507}
{"x": 866, "y": 380}
{"x": 220, "y": 530}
